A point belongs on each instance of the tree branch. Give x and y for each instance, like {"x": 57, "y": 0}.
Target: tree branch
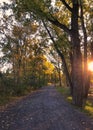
{"x": 58, "y": 24}
{"x": 67, "y": 6}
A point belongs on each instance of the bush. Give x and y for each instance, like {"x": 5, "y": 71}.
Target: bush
{"x": 7, "y": 86}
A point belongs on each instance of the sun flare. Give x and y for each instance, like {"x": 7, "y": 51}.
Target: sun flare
{"x": 90, "y": 66}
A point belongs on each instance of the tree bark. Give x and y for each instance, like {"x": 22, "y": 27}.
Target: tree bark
{"x": 77, "y": 58}
{"x": 86, "y": 82}
{"x": 59, "y": 73}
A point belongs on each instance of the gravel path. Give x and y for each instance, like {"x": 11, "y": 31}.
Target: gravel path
{"x": 45, "y": 109}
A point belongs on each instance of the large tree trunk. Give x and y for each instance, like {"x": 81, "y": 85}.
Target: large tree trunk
{"x": 86, "y": 79}
{"x": 77, "y": 58}
{"x": 77, "y": 77}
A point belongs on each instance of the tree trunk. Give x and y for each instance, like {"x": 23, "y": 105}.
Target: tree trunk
{"x": 77, "y": 77}
{"x": 86, "y": 82}
{"x": 91, "y": 50}
{"x": 14, "y": 70}
{"x": 59, "y": 74}
{"x": 77, "y": 58}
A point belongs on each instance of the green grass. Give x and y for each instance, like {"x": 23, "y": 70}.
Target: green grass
{"x": 88, "y": 109}
{"x": 63, "y": 90}
{"x": 69, "y": 99}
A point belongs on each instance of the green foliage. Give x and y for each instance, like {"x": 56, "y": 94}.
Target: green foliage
{"x": 88, "y": 108}
{"x": 21, "y": 90}
{"x": 7, "y": 86}
{"x": 37, "y": 71}
{"x": 34, "y": 6}
{"x": 6, "y": 89}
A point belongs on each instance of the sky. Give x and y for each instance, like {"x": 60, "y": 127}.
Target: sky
{"x": 1, "y": 1}
{"x": 1, "y": 54}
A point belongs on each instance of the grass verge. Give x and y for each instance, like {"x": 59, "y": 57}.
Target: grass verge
{"x": 88, "y": 109}
{"x": 6, "y": 99}
{"x": 65, "y": 92}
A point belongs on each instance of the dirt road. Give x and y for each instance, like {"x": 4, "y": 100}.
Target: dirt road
{"x": 45, "y": 109}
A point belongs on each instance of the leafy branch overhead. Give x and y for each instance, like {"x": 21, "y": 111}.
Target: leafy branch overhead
{"x": 40, "y": 10}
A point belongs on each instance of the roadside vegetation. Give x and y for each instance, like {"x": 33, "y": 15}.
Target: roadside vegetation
{"x": 11, "y": 88}
{"x": 88, "y": 108}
